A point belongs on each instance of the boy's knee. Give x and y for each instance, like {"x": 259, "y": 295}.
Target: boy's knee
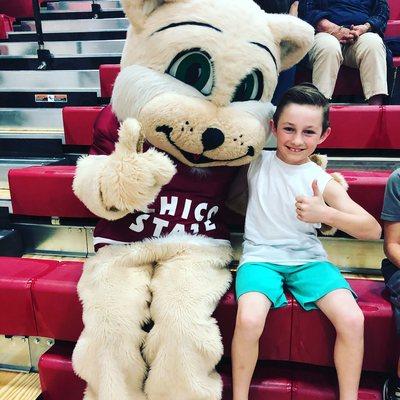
{"x": 351, "y": 324}
{"x": 250, "y": 324}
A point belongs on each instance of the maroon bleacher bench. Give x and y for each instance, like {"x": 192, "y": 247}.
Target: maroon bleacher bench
{"x": 108, "y": 73}
{"x": 78, "y": 124}
{"x": 18, "y": 8}
{"x": 394, "y": 7}
{"x": 353, "y": 127}
{"x": 6, "y": 25}
{"x": 52, "y": 309}
{"x": 51, "y": 195}
{"x": 17, "y": 276}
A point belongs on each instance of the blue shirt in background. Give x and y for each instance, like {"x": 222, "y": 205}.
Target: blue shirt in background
{"x": 391, "y": 202}
{"x": 346, "y": 12}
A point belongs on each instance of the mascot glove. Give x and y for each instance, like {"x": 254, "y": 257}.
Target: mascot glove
{"x": 130, "y": 181}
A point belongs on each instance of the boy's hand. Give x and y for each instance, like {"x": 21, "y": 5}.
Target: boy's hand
{"x": 311, "y": 209}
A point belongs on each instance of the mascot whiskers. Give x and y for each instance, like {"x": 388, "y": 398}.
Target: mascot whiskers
{"x": 189, "y": 107}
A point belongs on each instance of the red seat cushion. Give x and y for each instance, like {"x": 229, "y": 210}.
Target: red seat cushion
{"x": 45, "y": 191}
{"x": 108, "y": 74}
{"x": 313, "y": 335}
{"x": 78, "y": 124}
{"x": 393, "y": 28}
{"x": 367, "y": 188}
{"x": 394, "y": 7}
{"x": 57, "y": 308}
{"x": 321, "y": 384}
{"x": 57, "y": 378}
{"x": 6, "y": 25}
{"x": 391, "y": 137}
{"x": 354, "y": 127}
{"x": 275, "y": 340}
{"x": 59, "y": 382}
{"x": 348, "y": 82}
{"x": 17, "y": 276}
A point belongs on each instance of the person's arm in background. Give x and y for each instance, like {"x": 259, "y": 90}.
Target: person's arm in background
{"x": 391, "y": 218}
{"x": 376, "y": 23}
{"x": 312, "y": 12}
{"x": 392, "y": 242}
{"x": 379, "y": 17}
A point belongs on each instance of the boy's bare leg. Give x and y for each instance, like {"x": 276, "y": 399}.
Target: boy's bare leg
{"x": 346, "y": 316}
{"x": 252, "y": 311}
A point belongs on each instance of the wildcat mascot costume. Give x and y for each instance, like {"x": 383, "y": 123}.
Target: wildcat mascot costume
{"x": 189, "y": 107}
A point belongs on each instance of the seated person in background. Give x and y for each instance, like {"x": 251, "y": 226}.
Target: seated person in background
{"x": 286, "y": 78}
{"x": 289, "y": 197}
{"x": 348, "y": 32}
{"x": 391, "y": 265}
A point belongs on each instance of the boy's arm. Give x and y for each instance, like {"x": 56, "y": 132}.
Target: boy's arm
{"x": 335, "y": 208}
{"x": 392, "y": 241}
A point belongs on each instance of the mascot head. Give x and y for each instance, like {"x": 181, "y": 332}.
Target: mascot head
{"x": 198, "y": 75}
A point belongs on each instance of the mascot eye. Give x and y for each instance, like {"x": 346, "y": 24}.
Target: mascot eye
{"x": 250, "y": 88}
{"x": 193, "y": 67}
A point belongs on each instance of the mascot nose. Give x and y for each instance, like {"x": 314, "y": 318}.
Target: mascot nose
{"x": 212, "y": 138}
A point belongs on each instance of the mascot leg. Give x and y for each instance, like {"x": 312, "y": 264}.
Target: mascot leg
{"x": 114, "y": 291}
{"x": 184, "y": 345}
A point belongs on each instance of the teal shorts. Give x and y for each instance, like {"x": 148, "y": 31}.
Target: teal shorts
{"x": 308, "y": 283}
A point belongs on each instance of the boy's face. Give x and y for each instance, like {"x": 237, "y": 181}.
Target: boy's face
{"x": 298, "y": 132}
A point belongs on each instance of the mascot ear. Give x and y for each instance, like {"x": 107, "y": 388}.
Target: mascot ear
{"x": 137, "y": 11}
{"x": 294, "y": 36}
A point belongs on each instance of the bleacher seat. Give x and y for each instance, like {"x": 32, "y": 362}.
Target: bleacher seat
{"x": 57, "y": 378}
{"x": 348, "y": 82}
{"x": 353, "y": 127}
{"x": 6, "y": 25}
{"x": 108, "y": 74}
{"x": 394, "y": 7}
{"x": 314, "y": 336}
{"x": 78, "y": 124}
{"x": 275, "y": 340}
{"x": 391, "y": 137}
{"x": 18, "y": 8}
{"x": 17, "y": 276}
{"x": 46, "y": 304}
{"x": 318, "y": 384}
{"x": 51, "y": 195}
{"x": 52, "y": 198}
{"x": 56, "y": 304}
{"x": 392, "y": 29}
{"x": 59, "y": 382}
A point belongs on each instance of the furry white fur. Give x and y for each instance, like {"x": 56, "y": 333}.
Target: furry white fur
{"x": 125, "y": 181}
{"x": 184, "y": 345}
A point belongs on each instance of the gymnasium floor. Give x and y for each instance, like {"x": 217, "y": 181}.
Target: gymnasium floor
{"x": 19, "y": 386}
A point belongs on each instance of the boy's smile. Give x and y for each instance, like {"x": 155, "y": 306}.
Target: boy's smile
{"x": 298, "y": 132}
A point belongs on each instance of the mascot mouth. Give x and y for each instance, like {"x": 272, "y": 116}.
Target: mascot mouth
{"x": 198, "y": 158}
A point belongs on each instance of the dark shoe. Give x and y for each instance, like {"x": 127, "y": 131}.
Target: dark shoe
{"x": 391, "y": 390}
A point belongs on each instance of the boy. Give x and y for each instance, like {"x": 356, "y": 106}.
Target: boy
{"x": 391, "y": 265}
{"x": 289, "y": 197}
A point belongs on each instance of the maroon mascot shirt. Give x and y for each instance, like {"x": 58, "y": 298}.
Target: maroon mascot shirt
{"x": 191, "y": 202}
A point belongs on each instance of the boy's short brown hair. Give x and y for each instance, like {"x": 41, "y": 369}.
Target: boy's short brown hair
{"x": 304, "y": 94}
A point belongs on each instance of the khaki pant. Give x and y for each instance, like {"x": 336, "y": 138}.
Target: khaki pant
{"x": 368, "y": 54}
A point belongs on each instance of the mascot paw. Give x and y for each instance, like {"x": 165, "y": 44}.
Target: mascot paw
{"x": 131, "y": 180}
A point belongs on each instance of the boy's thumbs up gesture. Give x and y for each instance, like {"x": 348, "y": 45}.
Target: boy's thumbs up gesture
{"x": 131, "y": 180}
{"x": 311, "y": 209}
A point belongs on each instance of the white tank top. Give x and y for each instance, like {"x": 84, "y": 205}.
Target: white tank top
{"x": 272, "y": 231}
